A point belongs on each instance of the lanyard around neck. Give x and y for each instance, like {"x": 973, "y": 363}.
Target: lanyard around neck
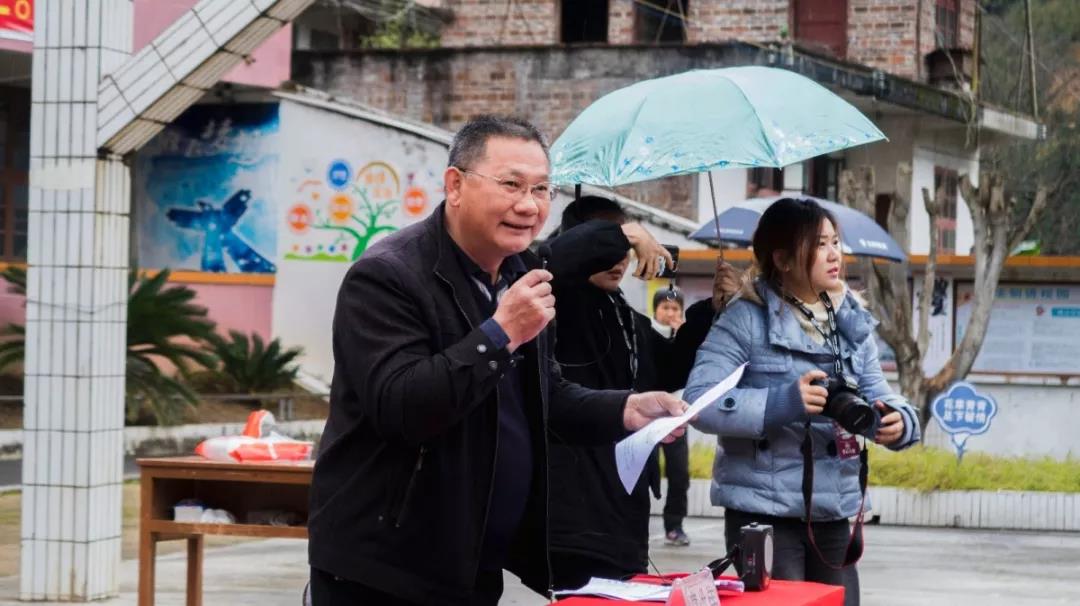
{"x": 629, "y": 336}
{"x": 831, "y": 336}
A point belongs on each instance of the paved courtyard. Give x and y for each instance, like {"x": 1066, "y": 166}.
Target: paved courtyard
{"x": 902, "y": 567}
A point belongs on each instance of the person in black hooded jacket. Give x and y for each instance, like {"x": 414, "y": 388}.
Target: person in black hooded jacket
{"x": 597, "y": 529}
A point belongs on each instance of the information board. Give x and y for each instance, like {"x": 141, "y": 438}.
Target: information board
{"x": 1034, "y": 328}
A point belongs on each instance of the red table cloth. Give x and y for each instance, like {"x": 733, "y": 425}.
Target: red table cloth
{"x": 779, "y": 593}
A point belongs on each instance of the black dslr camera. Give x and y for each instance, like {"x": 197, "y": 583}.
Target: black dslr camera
{"x": 846, "y": 405}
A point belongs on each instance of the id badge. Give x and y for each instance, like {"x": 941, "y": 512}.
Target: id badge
{"x": 847, "y": 446}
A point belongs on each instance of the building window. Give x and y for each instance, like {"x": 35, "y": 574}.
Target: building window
{"x": 821, "y": 26}
{"x": 584, "y": 21}
{"x": 882, "y": 208}
{"x": 763, "y": 182}
{"x": 947, "y": 23}
{"x": 660, "y": 21}
{"x": 823, "y": 178}
{"x": 946, "y": 185}
{"x": 14, "y": 166}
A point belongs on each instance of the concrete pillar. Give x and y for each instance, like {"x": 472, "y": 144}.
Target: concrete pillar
{"x": 76, "y": 309}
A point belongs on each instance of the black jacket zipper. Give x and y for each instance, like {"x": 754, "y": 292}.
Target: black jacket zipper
{"x": 541, "y": 353}
{"x": 406, "y": 498}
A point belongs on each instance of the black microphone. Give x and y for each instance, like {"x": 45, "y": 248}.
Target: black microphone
{"x": 545, "y": 253}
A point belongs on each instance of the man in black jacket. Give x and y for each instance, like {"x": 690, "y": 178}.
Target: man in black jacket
{"x": 432, "y": 471}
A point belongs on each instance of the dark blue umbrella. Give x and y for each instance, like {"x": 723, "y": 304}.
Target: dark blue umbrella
{"x": 859, "y": 234}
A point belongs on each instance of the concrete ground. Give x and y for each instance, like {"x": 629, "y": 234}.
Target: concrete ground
{"x": 902, "y": 567}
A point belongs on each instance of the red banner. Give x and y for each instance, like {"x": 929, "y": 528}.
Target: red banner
{"x": 17, "y": 19}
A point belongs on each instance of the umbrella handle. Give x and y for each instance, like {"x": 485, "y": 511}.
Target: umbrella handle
{"x": 716, "y": 215}
{"x": 716, "y": 223}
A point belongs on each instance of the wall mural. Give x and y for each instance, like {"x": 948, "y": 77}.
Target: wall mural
{"x": 335, "y": 213}
{"x": 205, "y": 188}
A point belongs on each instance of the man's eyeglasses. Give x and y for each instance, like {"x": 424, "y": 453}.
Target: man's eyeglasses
{"x": 517, "y": 188}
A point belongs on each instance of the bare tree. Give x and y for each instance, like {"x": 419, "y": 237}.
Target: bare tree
{"x": 996, "y": 233}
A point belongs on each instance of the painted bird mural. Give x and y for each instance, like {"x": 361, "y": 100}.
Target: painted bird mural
{"x": 218, "y": 236}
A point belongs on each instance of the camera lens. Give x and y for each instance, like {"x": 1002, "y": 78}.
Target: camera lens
{"x": 851, "y": 412}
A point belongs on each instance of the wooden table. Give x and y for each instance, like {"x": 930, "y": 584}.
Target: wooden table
{"x": 239, "y": 488}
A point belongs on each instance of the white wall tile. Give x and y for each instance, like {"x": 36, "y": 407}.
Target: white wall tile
{"x": 55, "y": 354}
{"x": 64, "y": 80}
{"x": 156, "y": 86}
{"x": 185, "y": 57}
{"x": 79, "y": 132}
{"x": 66, "y": 403}
{"x": 48, "y": 141}
{"x": 230, "y": 20}
{"x": 79, "y": 568}
{"x": 67, "y": 515}
{"x": 67, "y": 27}
{"x": 65, "y": 462}
{"x": 41, "y": 557}
{"x": 92, "y": 84}
{"x": 131, "y": 78}
{"x": 42, "y": 357}
{"x": 51, "y": 19}
{"x": 52, "y": 562}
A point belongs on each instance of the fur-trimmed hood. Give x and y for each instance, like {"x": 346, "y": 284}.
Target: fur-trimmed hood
{"x": 752, "y": 284}
{"x": 853, "y": 320}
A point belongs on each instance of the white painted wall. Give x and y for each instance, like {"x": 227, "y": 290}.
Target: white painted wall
{"x": 924, "y": 143}
{"x": 928, "y": 153}
{"x": 305, "y": 291}
{"x": 1032, "y": 420}
{"x": 730, "y": 186}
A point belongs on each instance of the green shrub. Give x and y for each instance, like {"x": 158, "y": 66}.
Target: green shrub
{"x": 246, "y": 364}
{"x": 162, "y": 321}
{"x": 929, "y": 469}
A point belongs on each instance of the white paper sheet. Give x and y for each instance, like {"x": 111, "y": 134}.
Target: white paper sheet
{"x": 633, "y": 451}
{"x": 638, "y": 592}
{"x": 621, "y": 590}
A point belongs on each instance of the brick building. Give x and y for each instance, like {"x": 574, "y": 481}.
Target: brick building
{"x": 905, "y": 63}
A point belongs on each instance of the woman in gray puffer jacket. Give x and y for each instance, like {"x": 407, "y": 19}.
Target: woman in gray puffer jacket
{"x": 780, "y": 326}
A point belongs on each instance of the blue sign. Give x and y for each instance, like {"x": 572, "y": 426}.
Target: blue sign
{"x": 1065, "y": 312}
{"x": 339, "y": 174}
{"x": 962, "y": 412}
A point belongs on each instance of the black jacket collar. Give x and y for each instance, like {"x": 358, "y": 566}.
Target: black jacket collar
{"x": 448, "y": 268}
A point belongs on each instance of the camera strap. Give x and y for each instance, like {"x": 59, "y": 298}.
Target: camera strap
{"x": 855, "y": 541}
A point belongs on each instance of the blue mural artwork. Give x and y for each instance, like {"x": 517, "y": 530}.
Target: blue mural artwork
{"x": 218, "y": 237}
{"x": 205, "y": 191}
{"x": 339, "y": 174}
